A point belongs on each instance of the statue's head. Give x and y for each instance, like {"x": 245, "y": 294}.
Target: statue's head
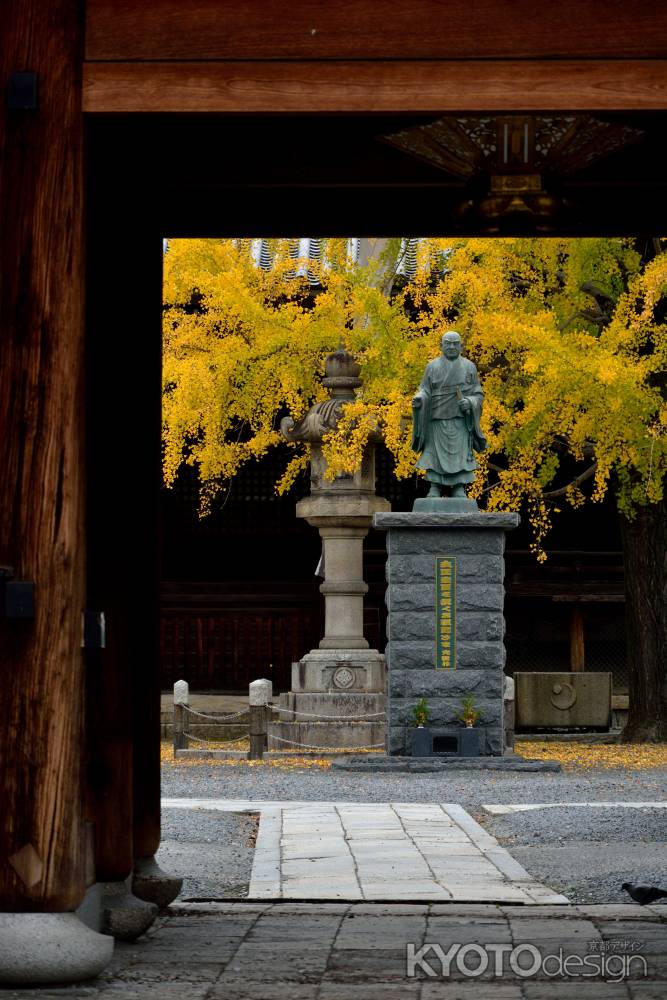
{"x": 450, "y": 345}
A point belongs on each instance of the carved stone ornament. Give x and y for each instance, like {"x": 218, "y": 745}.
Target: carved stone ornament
{"x": 341, "y": 377}
{"x": 563, "y": 696}
{"x": 344, "y": 678}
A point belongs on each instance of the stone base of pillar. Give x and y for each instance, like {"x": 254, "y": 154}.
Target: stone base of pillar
{"x": 123, "y": 915}
{"x": 340, "y": 671}
{"x": 152, "y": 884}
{"x": 50, "y": 948}
{"x": 337, "y": 701}
{"x": 326, "y": 736}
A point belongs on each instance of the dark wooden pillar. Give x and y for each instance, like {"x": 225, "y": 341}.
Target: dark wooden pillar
{"x": 124, "y": 461}
{"x": 41, "y": 459}
{"x": 147, "y": 679}
{"x": 577, "y": 651}
{"x": 110, "y": 689}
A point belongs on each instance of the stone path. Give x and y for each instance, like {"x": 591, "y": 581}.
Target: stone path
{"x": 504, "y": 810}
{"x": 379, "y": 851}
{"x": 362, "y": 951}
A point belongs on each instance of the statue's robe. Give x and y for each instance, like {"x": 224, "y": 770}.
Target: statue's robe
{"x": 446, "y": 436}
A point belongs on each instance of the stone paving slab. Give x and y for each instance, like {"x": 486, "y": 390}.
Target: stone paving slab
{"x": 507, "y": 809}
{"x": 383, "y": 851}
{"x": 359, "y": 951}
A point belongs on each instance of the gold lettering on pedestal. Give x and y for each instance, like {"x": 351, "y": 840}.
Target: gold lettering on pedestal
{"x": 445, "y": 612}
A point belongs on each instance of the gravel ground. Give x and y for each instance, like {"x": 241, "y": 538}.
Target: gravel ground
{"x": 470, "y": 789}
{"x": 212, "y": 850}
{"x": 584, "y": 853}
{"x": 587, "y": 853}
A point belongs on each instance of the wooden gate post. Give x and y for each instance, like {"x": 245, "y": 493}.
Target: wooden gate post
{"x": 42, "y": 473}
{"x": 124, "y": 479}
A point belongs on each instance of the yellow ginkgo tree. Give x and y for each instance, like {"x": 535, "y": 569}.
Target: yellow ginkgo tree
{"x": 569, "y": 337}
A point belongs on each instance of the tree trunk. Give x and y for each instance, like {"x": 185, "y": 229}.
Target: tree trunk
{"x": 645, "y": 558}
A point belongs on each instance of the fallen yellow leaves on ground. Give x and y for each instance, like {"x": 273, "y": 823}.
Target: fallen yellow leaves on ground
{"x": 572, "y": 756}
{"x": 580, "y": 756}
{"x": 290, "y": 762}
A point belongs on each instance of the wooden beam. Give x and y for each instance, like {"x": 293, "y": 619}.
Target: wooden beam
{"x": 577, "y": 652}
{"x": 389, "y": 87}
{"x": 590, "y": 598}
{"x": 120, "y": 30}
{"x": 42, "y": 856}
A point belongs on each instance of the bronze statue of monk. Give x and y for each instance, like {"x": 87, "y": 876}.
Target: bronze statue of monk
{"x": 446, "y": 410}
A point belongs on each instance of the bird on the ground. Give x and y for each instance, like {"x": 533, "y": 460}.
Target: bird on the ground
{"x": 644, "y": 894}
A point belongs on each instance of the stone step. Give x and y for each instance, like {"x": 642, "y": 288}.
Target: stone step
{"x": 320, "y": 707}
{"x": 326, "y": 735}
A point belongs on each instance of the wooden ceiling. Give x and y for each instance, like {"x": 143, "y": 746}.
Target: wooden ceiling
{"x": 334, "y": 175}
{"x": 264, "y": 117}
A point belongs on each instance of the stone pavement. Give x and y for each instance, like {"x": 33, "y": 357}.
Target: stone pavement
{"x": 373, "y": 951}
{"x": 380, "y": 851}
{"x": 504, "y": 810}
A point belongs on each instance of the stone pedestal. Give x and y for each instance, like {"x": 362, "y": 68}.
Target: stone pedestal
{"x": 343, "y": 679}
{"x": 469, "y": 617}
{"x": 337, "y": 700}
{"x": 339, "y": 671}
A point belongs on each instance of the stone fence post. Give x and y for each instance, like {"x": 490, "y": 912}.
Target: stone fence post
{"x": 260, "y": 694}
{"x": 181, "y": 701}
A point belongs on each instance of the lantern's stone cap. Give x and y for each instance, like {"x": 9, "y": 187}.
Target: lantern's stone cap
{"x": 446, "y": 522}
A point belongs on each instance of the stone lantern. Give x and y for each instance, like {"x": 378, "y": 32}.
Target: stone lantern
{"x": 342, "y": 677}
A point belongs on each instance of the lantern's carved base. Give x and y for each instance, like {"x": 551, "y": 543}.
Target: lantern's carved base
{"x": 340, "y": 671}
{"x": 337, "y": 700}
{"x": 152, "y": 884}
{"x": 50, "y": 948}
